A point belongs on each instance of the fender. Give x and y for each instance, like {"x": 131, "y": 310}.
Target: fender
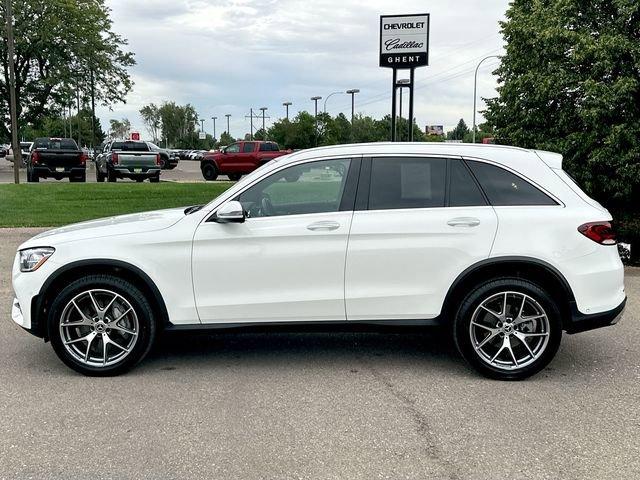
{"x": 157, "y": 301}
{"x": 497, "y": 261}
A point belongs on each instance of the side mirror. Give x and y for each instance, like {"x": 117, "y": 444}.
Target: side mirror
{"x": 230, "y": 212}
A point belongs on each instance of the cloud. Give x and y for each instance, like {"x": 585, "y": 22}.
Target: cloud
{"x": 230, "y": 55}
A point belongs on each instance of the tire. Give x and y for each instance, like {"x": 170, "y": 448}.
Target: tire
{"x": 32, "y": 177}
{"x": 492, "y": 342}
{"x": 234, "y": 177}
{"x": 209, "y": 172}
{"x": 139, "y": 180}
{"x": 84, "y": 350}
{"x": 80, "y": 178}
{"x": 111, "y": 177}
{"x": 99, "y": 176}
{"x": 155, "y": 179}
{"x": 163, "y": 163}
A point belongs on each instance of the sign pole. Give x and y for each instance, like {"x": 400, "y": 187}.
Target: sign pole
{"x": 393, "y": 106}
{"x": 404, "y": 44}
{"x": 410, "y": 119}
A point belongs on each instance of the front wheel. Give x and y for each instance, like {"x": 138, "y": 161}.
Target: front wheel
{"x": 508, "y": 328}
{"x": 234, "y": 177}
{"x": 209, "y": 171}
{"x": 101, "y": 325}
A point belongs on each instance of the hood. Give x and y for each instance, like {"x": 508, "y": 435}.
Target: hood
{"x": 106, "y": 227}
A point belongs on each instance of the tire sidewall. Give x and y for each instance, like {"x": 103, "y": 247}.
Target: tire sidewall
{"x": 144, "y": 312}
{"x": 482, "y": 292}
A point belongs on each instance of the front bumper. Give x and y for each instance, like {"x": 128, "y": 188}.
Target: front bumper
{"x": 581, "y": 322}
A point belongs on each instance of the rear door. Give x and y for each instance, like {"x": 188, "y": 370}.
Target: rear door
{"x": 419, "y": 222}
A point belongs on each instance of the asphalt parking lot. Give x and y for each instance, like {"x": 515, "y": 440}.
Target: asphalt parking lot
{"x": 319, "y": 405}
{"x": 186, "y": 171}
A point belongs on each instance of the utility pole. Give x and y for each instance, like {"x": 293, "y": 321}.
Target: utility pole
{"x": 286, "y": 105}
{"x": 315, "y": 101}
{"x": 251, "y": 123}
{"x": 353, "y": 92}
{"x": 78, "y": 103}
{"x": 214, "y": 126}
{"x": 264, "y": 131}
{"x": 17, "y": 154}
{"x": 93, "y": 109}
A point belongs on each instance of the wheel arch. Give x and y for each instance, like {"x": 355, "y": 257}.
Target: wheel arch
{"x": 535, "y": 270}
{"x": 209, "y": 160}
{"x": 56, "y": 282}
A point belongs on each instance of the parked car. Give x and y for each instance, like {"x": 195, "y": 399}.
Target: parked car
{"x": 4, "y": 149}
{"x": 128, "y": 159}
{"x": 25, "y": 149}
{"x": 168, "y": 160}
{"x": 496, "y": 243}
{"x": 238, "y": 159}
{"x": 56, "y": 158}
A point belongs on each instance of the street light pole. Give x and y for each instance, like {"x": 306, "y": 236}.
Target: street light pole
{"x": 228, "y": 115}
{"x": 286, "y": 105}
{"x": 324, "y": 109}
{"x": 315, "y": 101}
{"x": 475, "y": 88}
{"x": 17, "y": 153}
{"x": 353, "y": 92}
{"x": 214, "y": 126}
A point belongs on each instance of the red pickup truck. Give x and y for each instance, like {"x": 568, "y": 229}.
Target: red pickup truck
{"x": 238, "y": 159}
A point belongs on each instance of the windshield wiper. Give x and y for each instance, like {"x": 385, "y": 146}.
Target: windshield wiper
{"x": 194, "y": 208}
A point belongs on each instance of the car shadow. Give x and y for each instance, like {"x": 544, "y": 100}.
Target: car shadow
{"x": 432, "y": 347}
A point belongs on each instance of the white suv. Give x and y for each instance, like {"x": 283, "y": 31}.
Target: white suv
{"x": 496, "y": 242}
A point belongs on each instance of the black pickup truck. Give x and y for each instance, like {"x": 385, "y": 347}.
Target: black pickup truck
{"x": 57, "y": 158}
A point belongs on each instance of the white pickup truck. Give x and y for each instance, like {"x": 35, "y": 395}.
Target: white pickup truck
{"x": 128, "y": 159}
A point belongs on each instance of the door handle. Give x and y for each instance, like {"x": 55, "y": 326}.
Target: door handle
{"x": 464, "y": 222}
{"x": 323, "y": 225}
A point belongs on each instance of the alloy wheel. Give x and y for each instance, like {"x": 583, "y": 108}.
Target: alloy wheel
{"x": 509, "y": 330}
{"x": 99, "y": 327}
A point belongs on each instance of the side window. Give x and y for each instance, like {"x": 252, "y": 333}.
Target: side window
{"x": 264, "y": 147}
{"x": 503, "y": 188}
{"x": 233, "y": 148}
{"x": 248, "y": 147}
{"x": 463, "y": 190}
{"x": 407, "y": 183}
{"x": 313, "y": 187}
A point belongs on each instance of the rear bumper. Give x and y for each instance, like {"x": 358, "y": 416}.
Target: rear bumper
{"x": 46, "y": 171}
{"x": 130, "y": 172}
{"x": 581, "y": 322}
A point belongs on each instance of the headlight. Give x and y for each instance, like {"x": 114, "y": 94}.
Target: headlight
{"x": 32, "y": 258}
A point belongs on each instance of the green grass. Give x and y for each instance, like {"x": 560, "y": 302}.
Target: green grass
{"x": 53, "y": 204}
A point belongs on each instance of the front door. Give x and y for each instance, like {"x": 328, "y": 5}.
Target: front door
{"x": 286, "y": 261}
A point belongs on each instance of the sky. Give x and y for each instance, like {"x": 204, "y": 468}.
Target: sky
{"x": 227, "y": 56}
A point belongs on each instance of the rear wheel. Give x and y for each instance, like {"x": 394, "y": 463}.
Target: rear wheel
{"x": 101, "y": 325}
{"x": 99, "y": 175}
{"x": 508, "y": 328}
{"x": 111, "y": 177}
{"x": 32, "y": 176}
{"x": 209, "y": 171}
{"x": 234, "y": 177}
{"x": 79, "y": 178}
{"x": 155, "y": 179}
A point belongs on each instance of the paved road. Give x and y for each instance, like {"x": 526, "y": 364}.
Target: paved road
{"x": 186, "y": 171}
{"x": 325, "y": 406}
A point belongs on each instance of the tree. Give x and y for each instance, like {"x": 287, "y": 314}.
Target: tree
{"x": 226, "y": 139}
{"x": 63, "y": 48}
{"x": 151, "y": 117}
{"x": 120, "y": 128}
{"x": 459, "y": 132}
{"x": 569, "y": 82}
{"x": 179, "y": 124}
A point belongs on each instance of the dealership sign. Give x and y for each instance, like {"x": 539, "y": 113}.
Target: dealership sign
{"x": 404, "y": 40}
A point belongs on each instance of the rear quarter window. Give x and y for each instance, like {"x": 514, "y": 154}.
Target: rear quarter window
{"x": 504, "y": 188}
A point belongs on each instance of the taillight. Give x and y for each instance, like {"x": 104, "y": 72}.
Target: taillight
{"x": 35, "y": 157}
{"x": 158, "y": 160}
{"x": 83, "y": 158}
{"x": 599, "y": 232}
{"x": 114, "y": 158}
